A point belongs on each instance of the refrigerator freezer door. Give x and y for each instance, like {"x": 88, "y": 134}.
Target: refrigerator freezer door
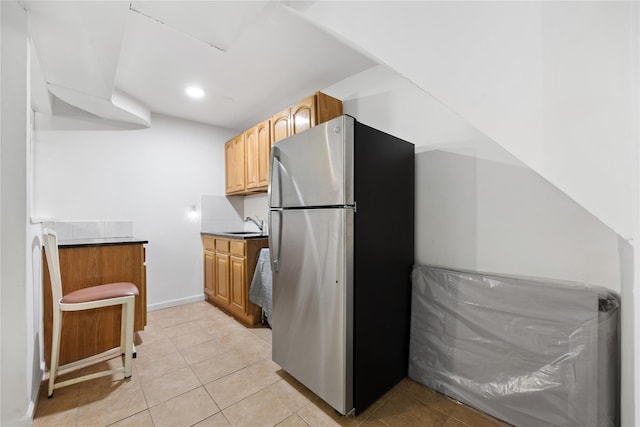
{"x": 314, "y": 167}
{"x": 313, "y": 301}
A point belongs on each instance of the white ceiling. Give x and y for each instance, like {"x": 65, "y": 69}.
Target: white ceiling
{"x": 251, "y": 58}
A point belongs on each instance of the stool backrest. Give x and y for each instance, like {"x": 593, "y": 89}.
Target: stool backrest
{"x": 50, "y": 239}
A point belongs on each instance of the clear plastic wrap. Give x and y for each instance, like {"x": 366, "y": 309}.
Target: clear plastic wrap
{"x": 260, "y": 291}
{"x": 527, "y": 351}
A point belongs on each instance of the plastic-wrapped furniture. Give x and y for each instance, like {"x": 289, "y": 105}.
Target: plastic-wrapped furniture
{"x": 527, "y": 351}
{"x": 85, "y": 299}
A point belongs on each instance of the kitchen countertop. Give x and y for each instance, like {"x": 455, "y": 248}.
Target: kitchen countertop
{"x": 239, "y": 235}
{"x": 107, "y": 241}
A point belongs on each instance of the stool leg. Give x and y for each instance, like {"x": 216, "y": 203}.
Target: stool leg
{"x": 127, "y": 318}
{"x": 55, "y": 349}
{"x": 123, "y": 329}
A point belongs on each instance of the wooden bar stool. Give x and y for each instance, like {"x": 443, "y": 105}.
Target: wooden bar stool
{"x": 85, "y": 299}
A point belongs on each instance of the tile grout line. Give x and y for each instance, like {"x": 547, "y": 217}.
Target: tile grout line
{"x": 230, "y": 373}
{"x": 202, "y": 384}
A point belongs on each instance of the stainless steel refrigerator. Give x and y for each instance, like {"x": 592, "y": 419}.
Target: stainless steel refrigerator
{"x": 341, "y": 221}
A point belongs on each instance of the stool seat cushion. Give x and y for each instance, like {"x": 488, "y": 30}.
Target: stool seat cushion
{"x": 100, "y": 292}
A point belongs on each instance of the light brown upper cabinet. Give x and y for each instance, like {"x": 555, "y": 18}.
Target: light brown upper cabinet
{"x": 251, "y": 157}
{"x": 303, "y": 115}
{"x": 257, "y": 149}
{"x": 247, "y": 155}
{"x": 234, "y": 155}
{"x": 307, "y": 113}
{"x": 280, "y": 126}
{"x": 264, "y": 153}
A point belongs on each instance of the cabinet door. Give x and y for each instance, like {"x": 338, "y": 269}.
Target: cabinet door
{"x": 251, "y": 157}
{"x": 222, "y": 278}
{"x": 234, "y": 165}
{"x": 264, "y": 151}
{"x": 237, "y": 282}
{"x": 228, "y": 167}
{"x": 257, "y": 142}
{"x": 280, "y": 126}
{"x": 238, "y": 163}
{"x": 303, "y": 115}
{"x": 209, "y": 273}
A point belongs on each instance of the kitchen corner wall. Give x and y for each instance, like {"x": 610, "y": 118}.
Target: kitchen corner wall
{"x": 221, "y": 213}
{"x": 256, "y": 207}
{"x": 151, "y": 177}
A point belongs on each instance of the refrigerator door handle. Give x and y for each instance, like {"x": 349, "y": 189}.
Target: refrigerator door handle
{"x": 275, "y": 161}
{"x": 275, "y": 236}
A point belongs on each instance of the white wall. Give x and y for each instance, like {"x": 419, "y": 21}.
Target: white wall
{"x": 1, "y": 201}
{"x": 221, "y": 213}
{"x": 479, "y": 215}
{"x": 150, "y": 176}
{"x": 18, "y": 369}
{"x": 632, "y": 307}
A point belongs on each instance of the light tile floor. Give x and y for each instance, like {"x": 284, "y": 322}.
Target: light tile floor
{"x": 196, "y": 366}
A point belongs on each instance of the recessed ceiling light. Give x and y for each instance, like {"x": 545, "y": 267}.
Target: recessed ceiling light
{"x": 194, "y": 92}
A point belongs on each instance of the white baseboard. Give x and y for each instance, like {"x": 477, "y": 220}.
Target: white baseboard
{"x": 175, "y": 302}
{"x": 27, "y": 420}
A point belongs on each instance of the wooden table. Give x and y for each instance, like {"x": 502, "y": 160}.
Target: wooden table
{"x": 91, "y": 262}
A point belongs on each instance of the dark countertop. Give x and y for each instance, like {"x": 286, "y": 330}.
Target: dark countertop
{"x": 107, "y": 241}
{"x": 243, "y": 236}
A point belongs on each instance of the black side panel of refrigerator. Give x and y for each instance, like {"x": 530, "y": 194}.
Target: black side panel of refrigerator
{"x": 384, "y": 180}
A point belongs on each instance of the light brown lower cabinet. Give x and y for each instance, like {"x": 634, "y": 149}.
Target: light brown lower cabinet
{"x": 221, "y": 284}
{"x": 229, "y": 265}
{"x": 209, "y": 268}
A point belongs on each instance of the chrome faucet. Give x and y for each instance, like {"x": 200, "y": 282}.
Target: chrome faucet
{"x": 259, "y": 224}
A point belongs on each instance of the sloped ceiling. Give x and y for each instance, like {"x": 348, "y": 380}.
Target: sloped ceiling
{"x": 78, "y": 49}
{"x": 550, "y": 82}
{"x": 123, "y": 60}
